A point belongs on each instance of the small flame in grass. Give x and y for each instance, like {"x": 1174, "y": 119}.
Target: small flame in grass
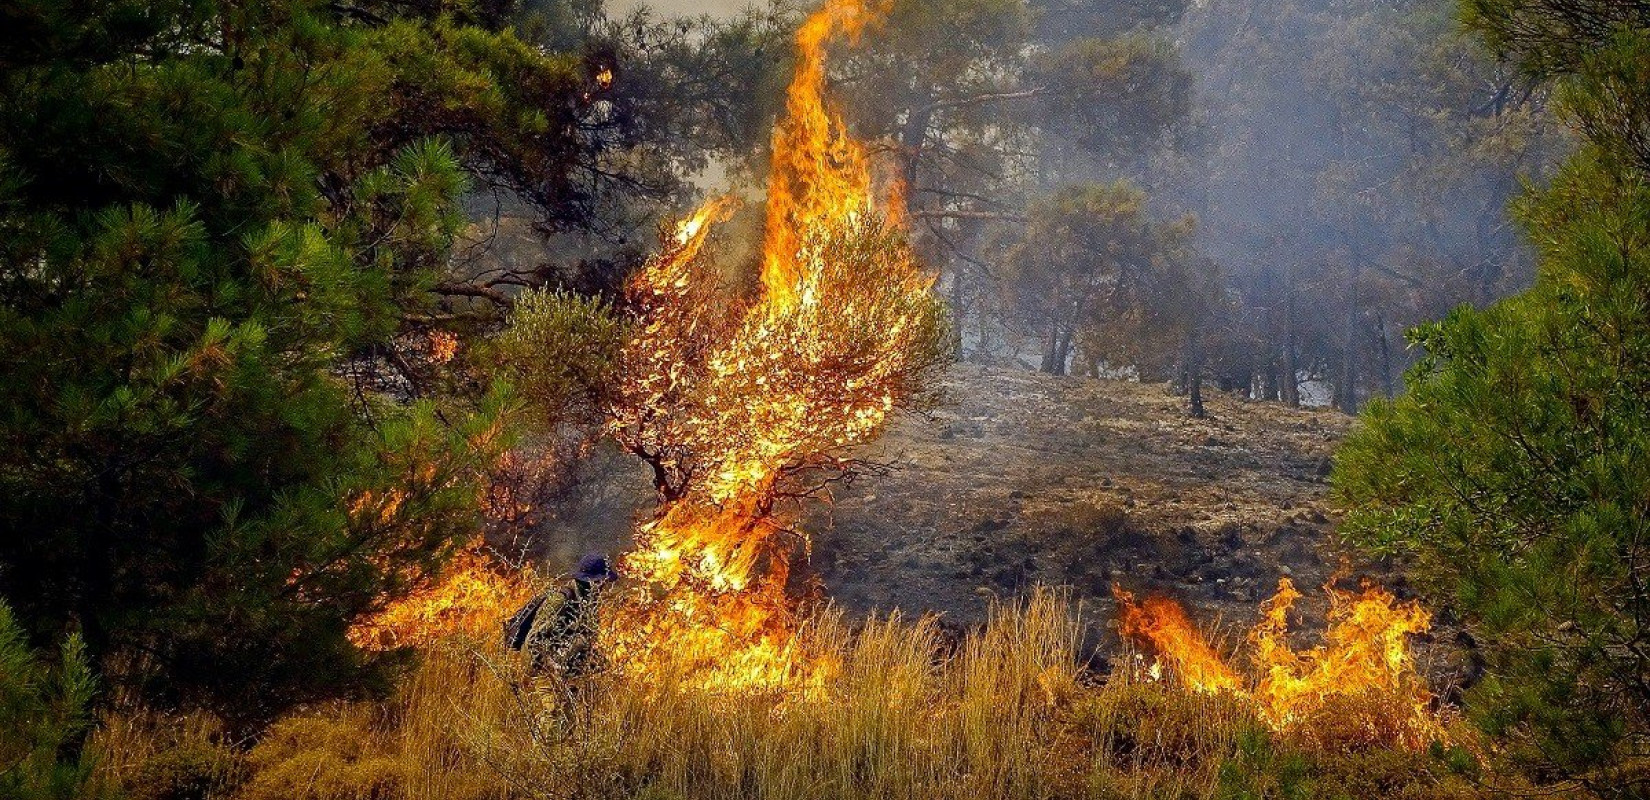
{"x": 1364, "y": 672}
{"x": 1180, "y": 647}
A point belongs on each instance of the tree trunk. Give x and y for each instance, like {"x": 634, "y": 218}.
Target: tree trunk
{"x": 1386, "y": 357}
{"x": 1051, "y": 348}
{"x": 1289, "y": 390}
{"x": 957, "y": 310}
{"x": 1062, "y": 353}
{"x": 983, "y": 347}
{"x": 912, "y": 136}
{"x": 1194, "y": 373}
{"x": 1346, "y": 390}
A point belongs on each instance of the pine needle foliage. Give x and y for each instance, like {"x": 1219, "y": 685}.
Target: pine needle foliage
{"x": 44, "y": 709}
{"x": 207, "y": 210}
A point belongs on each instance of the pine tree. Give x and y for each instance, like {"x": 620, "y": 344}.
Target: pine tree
{"x": 208, "y": 211}
{"x": 1516, "y": 470}
{"x": 43, "y": 710}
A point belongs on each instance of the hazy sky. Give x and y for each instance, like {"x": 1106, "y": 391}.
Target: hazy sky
{"x": 686, "y": 8}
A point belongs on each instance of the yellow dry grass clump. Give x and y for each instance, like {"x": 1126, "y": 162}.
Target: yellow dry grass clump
{"x": 429, "y": 741}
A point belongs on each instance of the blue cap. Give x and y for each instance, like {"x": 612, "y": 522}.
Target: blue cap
{"x": 593, "y": 568}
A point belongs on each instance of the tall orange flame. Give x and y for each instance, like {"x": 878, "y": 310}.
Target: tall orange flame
{"x": 737, "y": 399}
{"x": 821, "y": 176}
{"x": 1365, "y": 661}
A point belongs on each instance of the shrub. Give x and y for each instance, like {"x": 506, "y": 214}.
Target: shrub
{"x": 1514, "y": 469}
{"x": 560, "y": 351}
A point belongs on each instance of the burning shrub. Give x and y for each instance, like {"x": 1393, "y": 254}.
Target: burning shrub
{"x": 470, "y": 596}
{"x": 739, "y": 405}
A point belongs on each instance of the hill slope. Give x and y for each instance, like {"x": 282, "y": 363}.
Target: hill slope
{"x": 1026, "y": 478}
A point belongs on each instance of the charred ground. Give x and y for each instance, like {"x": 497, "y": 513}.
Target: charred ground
{"x": 1024, "y": 478}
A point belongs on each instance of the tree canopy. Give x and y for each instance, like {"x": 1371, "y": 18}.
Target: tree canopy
{"x": 217, "y": 216}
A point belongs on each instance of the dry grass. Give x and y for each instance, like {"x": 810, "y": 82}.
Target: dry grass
{"x": 894, "y": 712}
{"x": 428, "y": 743}
{"x": 888, "y": 717}
{"x": 142, "y": 755}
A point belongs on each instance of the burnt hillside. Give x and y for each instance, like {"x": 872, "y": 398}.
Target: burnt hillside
{"x": 1023, "y": 478}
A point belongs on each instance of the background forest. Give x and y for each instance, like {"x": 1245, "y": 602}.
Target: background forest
{"x": 301, "y": 300}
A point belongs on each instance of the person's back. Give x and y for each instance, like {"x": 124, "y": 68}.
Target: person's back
{"x": 558, "y": 628}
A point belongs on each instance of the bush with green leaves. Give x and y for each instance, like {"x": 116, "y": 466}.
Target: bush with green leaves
{"x": 560, "y": 351}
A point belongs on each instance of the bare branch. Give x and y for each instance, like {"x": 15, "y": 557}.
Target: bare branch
{"x": 450, "y": 289}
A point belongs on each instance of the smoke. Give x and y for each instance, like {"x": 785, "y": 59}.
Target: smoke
{"x": 1350, "y": 163}
{"x": 681, "y": 8}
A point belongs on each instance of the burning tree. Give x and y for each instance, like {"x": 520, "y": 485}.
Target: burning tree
{"x": 738, "y": 404}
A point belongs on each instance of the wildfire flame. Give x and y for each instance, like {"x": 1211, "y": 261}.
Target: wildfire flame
{"x": 1180, "y": 647}
{"x": 470, "y": 598}
{"x": 740, "y": 401}
{"x": 1364, "y": 663}
{"x": 821, "y": 176}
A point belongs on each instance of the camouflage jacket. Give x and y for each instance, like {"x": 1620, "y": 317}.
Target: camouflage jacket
{"x": 558, "y": 629}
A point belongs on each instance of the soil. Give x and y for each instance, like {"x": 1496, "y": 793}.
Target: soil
{"x": 1024, "y": 479}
